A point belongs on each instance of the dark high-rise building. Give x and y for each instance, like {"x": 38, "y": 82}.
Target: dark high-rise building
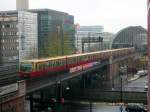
{"x": 55, "y": 33}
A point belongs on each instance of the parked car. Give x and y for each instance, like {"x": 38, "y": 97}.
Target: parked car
{"x": 145, "y": 87}
{"x": 142, "y": 72}
{"x": 135, "y": 108}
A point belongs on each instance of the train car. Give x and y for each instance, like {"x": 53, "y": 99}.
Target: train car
{"x": 39, "y": 67}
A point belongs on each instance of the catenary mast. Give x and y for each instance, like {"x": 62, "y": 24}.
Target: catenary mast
{"x": 148, "y": 20}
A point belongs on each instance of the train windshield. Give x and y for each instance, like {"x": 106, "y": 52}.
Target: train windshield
{"x": 26, "y": 67}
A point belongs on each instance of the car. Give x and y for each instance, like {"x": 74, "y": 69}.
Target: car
{"x": 142, "y": 72}
{"x": 145, "y": 87}
{"x": 135, "y": 108}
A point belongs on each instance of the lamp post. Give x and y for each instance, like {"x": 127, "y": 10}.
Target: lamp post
{"x": 121, "y": 92}
{"x": 90, "y": 106}
{"x": 58, "y": 32}
{"x": 121, "y": 73}
{"x": 1, "y": 103}
{"x": 62, "y": 41}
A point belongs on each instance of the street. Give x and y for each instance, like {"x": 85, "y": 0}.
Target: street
{"x": 95, "y": 107}
{"x": 136, "y": 85}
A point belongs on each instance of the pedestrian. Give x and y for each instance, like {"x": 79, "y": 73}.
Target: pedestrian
{"x": 121, "y": 108}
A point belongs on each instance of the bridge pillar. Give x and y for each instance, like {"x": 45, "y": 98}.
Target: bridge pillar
{"x": 31, "y": 102}
{"x": 86, "y": 81}
{"x": 59, "y": 97}
{"x": 112, "y": 74}
{"x": 83, "y": 82}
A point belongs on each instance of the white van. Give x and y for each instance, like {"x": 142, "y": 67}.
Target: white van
{"x": 142, "y": 72}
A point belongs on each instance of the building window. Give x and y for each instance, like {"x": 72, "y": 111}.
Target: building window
{"x": 7, "y": 26}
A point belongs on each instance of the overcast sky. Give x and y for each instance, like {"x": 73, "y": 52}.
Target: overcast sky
{"x": 112, "y": 14}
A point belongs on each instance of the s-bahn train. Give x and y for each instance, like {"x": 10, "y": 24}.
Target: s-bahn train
{"x": 40, "y": 67}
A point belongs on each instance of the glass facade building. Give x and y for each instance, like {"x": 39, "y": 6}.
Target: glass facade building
{"x": 56, "y": 33}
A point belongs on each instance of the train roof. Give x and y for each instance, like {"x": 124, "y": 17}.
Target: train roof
{"x": 63, "y": 57}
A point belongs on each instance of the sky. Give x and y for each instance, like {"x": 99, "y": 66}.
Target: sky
{"x": 114, "y": 15}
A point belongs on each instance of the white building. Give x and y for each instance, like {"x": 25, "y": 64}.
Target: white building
{"x": 107, "y": 39}
{"x": 86, "y": 32}
{"x": 18, "y": 36}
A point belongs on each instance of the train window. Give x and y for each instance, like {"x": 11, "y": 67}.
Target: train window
{"x": 92, "y": 57}
{"x": 40, "y": 66}
{"x": 84, "y": 58}
{"x": 63, "y": 62}
{"x": 88, "y": 58}
{"x": 49, "y": 64}
{"x": 81, "y": 58}
{"x": 46, "y": 64}
{"x": 36, "y": 67}
{"x": 96, "y": 57}
{"x": 26, "y": 67}
{"x": 58, "y": 62}
{"x": 75, "y": 60}
{"x": 53, "y": 63}
{"x": 70, "y": 61}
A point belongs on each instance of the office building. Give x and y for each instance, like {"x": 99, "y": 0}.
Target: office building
{"x": 56, "y": 33}
{"x": 87, "y": 32}
{"x": 18, "y": 36}
{"x": 107, "y": 40}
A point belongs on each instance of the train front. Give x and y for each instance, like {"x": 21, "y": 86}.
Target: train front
{"x": 25, "y": 69}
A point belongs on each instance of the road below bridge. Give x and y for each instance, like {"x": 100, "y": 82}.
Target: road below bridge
{"x": 137, "y": 85}
{"x": 132, "y": 92}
